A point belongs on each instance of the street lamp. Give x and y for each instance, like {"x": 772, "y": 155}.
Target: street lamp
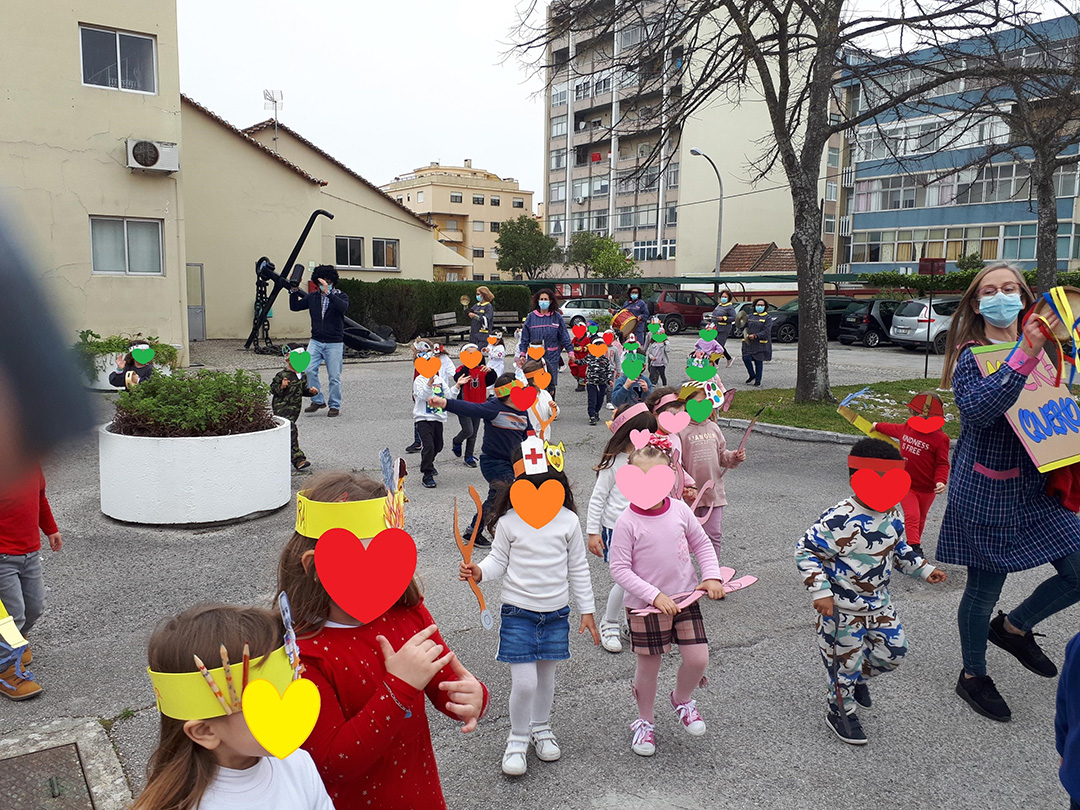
{"x": 720, "y": 216}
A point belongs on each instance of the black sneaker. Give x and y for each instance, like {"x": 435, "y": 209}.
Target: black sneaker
{"x": 862, "y": 695}
{"x": 456, "y": 450}
{"x": 434, "y": 471}
{"x": 482, "y": 541}
{"x": 1024, "y": 647}
{"x": 593, "y": 420}
{"x": 412, "y": 448}
{"x": 429, "y": 481}
{"x": 470, "y": 461}
{"x": 749, "y": 380}
{"x": 980, "y": 694}
{"x": 848, "y": 729}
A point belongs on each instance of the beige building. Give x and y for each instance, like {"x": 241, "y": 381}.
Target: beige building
{"x": 466, "y": 206}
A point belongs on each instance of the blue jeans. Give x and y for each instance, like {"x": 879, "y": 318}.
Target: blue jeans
{"x": 981, "y": 595}
{"x": 494, "y": 470}
{"x": 331, "y": 355}
{"x": 21, "y": 588}
{"x": 595, "y": 395}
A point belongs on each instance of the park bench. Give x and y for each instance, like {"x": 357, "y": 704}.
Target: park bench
{"x": 445, "y": 323}
{"x": 507, "y": 322}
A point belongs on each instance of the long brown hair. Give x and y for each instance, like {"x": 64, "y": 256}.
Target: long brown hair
{"x": 308, "y": 598}
{"x": 967, "y": 325}
{"x": 621, "y": 437}
{"x": 502, "y": 503}
{"x": 180, "y": 770}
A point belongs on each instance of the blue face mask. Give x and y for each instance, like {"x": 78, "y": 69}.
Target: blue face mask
{"x": 479, "y": 297}
{"x": 1000, "y": 310}
{"x": 759, "y": 308}
{"x": 544, "y": 305}
{"x": 633, "y": 296}
{"x": 723, "y": 299}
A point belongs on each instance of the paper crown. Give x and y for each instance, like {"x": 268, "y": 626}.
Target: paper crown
{"x": 362, "y": 518}
{"x": 627, "y": 415}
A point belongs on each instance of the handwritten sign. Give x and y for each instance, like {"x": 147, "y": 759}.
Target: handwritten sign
{"x": 1046, "y": 418}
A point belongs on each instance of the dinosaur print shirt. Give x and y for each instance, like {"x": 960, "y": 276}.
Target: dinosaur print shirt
{"x": 849, "y": 553}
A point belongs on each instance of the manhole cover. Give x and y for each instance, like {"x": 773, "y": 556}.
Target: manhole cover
{"x": 52, "y": 779}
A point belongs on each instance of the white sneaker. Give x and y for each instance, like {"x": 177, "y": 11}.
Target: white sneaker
{"x": 644, "y": 744}
{"x": 609, "y": 637}
{"x": 514, "y": 762}
{"x": 547, "y": 747}
{"x": 610, "y": 407}
{"x": 691, "y": 718}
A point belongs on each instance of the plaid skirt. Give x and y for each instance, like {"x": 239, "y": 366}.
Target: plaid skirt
{"x": 653, "y": 633}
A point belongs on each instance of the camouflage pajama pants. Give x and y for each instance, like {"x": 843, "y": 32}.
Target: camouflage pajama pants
{"x": 864, "y": 646}
{"x": 297, "y": 453}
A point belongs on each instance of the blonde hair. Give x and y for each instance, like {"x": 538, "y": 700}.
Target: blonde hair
{"x": 647, "y": 452}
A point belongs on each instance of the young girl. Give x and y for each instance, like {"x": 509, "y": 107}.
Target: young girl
{"x": 496, "y": 354}
{"x": 669, "y": 400}
{"x": 207, "y": 757}
{"x": 129, "y": 371}
{"x": 544, "y": 409}
{"x": 472, "y": 386}
{"x": 371, "y": 743}
{"x": 927, "y": 455}
{"x": 606, "y": 506}
{"x": 534, "y": 632}
{"x": 650, "y": 558}
{"x": 656, "y": 355}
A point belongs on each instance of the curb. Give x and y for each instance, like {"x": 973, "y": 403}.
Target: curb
{"x": 792, "y": 433}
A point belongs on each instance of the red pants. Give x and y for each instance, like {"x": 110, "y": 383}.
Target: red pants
{"x": 916, "y": 504}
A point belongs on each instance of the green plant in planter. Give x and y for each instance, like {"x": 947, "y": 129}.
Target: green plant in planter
{"x": 91, "y": 345}
{"x": 206, "y": 403}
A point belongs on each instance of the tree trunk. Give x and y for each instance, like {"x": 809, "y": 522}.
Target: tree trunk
{"x": 1046, "y": 245}
{"x": 813, "y": 358}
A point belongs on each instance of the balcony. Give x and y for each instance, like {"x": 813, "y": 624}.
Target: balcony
{"x": 847, "y": 177}
{"x": 845, "y": 226}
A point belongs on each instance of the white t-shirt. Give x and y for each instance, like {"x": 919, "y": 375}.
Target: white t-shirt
{"x": 607, "y": 502}
{"x": 292, "y": 783}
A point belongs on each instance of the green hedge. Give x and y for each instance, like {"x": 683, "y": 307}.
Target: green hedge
{"x": 408, "y": 306}
{"x": 956, "y": 281}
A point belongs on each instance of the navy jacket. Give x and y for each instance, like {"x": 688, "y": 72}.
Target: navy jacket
{"x": 1067, "y": 722}
{"x": 330, "y": 329}
{"x": 506, "y": 427}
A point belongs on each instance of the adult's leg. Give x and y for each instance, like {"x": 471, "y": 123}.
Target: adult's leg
{"x": 646, "y": 679}
{"x": 318, "y": 358}
{"x": 748, "y": 361}
{"x": 695, "y": 660}
{"x": 544, "y": 697}
{"x": 33, "y": 590}
{"x": 335, "y": 360}
{"x": 1055, "y": 594}
{"x": 11, "y": 589}
{"x": 759, "y": 367}
{"x": 980, "y": 595}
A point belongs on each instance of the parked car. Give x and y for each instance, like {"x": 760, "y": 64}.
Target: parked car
{"x": 786, "y": 323}
{"x": 580, "y": 310}
{"x": 681, "y": 309}
{"x": 868, "y": 322}
{"x": 747, "y": 307}
{"x": 913, "y": 322}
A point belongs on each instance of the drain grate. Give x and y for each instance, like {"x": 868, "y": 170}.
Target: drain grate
{"x": 51, "y": 779}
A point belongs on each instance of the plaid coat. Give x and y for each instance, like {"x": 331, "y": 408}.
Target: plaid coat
{"x": 998, "y": 516}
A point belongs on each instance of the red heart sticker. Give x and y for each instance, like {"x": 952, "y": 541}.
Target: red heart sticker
{"x": 365, "y": 582}
{"x": 926, "y": 424}
{"x": 579, "y": 331}
{"x": 523, "y": 398}
{"x": 881, "y": 492}
{"x": 608, "y": 337}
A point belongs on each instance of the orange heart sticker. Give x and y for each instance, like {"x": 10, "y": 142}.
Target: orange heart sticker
{"x": 492, "y": 340}
{"x": 541, "y": 379}
{"x": 428, "y": 367}
{"x": 537, "y": 506}
{"x": 536, "y": 352}
{"x": 471, "y": 358}
{"x": 597, "y": 351}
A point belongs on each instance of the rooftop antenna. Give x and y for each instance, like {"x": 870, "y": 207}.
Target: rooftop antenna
{"x": 272, "y": 100}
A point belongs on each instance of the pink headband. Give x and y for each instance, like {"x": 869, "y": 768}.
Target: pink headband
{"x": 627, "y": 415}
{"x": 666, "y": 399}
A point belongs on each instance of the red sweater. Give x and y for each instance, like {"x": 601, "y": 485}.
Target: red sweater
{"x": 475, "y": 390}
{"x": 368, "y": 753}
{"x": 24, "y": 514}
{"x": 927, "y": 454}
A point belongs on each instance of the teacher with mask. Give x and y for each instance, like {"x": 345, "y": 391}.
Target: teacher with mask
{"x": 481, "y": 316}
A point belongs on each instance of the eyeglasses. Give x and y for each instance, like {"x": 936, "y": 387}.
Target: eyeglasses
{"x": 990, "y": 292}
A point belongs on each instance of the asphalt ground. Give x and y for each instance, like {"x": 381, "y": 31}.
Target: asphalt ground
{"x": 766, "y": 746}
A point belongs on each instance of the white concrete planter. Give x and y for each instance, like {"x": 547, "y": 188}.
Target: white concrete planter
{"x": 206, "y": 479}
{"x": 106, "y": 365}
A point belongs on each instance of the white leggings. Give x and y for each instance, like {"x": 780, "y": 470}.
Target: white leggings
{"x": 532, "y": 694}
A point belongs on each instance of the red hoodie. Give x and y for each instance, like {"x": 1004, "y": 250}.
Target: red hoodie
{"x": 24, "y": 514}
{"x": 927, "y": 454}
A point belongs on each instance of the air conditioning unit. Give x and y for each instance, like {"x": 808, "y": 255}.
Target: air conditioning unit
{"x": 580, "y": 200}
{"x": 152, "y": 156}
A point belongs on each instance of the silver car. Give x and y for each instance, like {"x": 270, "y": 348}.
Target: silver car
{"x": 580, "y": 310}
{"x": 913, "y": 321}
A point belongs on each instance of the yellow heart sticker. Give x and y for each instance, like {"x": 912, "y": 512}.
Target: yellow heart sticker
{"x": 281, "y": 723}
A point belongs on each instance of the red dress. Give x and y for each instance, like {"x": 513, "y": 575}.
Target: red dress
{"x": 368, "y": 753}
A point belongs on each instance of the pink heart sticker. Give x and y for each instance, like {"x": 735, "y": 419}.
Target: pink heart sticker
{"x": 645, "y": 490}
{"x": 673, "y": 422}
{"x": 640, "y": 438}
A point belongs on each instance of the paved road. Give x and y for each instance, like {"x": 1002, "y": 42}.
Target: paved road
{"x": 767, "y": 745}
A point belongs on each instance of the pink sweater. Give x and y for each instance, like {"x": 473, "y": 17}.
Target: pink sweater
{"x": 650, "y": 553}
{"x": 704, "y": 457}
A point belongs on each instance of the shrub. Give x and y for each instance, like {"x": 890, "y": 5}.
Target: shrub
{"x": 91, "y": 346}
{"x": 954, "y": 282}
{"x": 206, "y": 403}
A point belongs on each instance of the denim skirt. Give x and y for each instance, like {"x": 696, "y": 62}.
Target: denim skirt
{"x": 525, "y": 635}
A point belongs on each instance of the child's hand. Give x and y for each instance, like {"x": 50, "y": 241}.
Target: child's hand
{"x": 436, "y": 402}
{"x": 284, "y": 383}
{"x": 589, "y": 623}
{"x": 56, "y": 542}
{"x": 466, "y": 695}
{"x": 666, "y": 604}
{"x": 121, "y": 361}
{"x": 939, "y": 487}
{"x": 740, "y": 455}
{"x": 464, "y": 378}
{"x": 824, "y": 605}
{"x": 937, "y": 576}
{"x": 713, "y": 588}
{"x": 689, "y": 493}
{"x": 596, "y": 545}
{"x": 313, "y": 391}
{"x": 418, "y": 660}
{"x": 471, "y": 571}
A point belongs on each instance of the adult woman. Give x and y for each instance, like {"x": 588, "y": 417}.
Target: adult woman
{"x": 481, "y": 317}
{"x": 723, "y": 319}
{"x": 757, "y": 342}
{"x": 544, "y": 326}
{"x": 999, "y": 517}
{"x": 640, "y": 309}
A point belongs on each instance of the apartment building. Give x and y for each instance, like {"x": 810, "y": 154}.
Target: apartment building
{"x": 466, "y": 206}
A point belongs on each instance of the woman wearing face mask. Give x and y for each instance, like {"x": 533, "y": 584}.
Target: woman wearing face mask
{"x": 757, "y": 342}
{"x": 999, "y": 517}
{"x": 481, "y": 316}
{"x": 723, "y": 319}
{"x": 545, "y": 326}
{"x": 640, "y": 309}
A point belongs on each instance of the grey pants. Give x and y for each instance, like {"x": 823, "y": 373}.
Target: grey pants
{"x": 21, "y": 588}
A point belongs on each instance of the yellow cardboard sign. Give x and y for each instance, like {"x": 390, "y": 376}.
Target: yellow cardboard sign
{"x": 9, "y": 632}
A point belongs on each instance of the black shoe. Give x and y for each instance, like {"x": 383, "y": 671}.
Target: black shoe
{"x": 593, "y": 420}
{"x": 482, "y": 541}
{"x": 757, "y": 385}
{"x": 862, "y": 695}
{"x": 412, "y": 448}
{"x": 850, "y": 731}
{"x": 1024, "y": 647}
{"x": 333, "y": 412}
{"x": 470, "y": 461}
{"x": 456, "y": 450}
{"x": 434, "y": 471}
{"x": 980, "y": 694}
{"x": 749, "y": 380}
{"x": 314, "y": 406}
{"x": 429, "y": 481}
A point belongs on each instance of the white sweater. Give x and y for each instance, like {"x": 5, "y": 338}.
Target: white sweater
{"x": 540, "y": 567}
{"x": 292, "y": 783}
{"x": 607, "y": 502}
{"x": 422, "y": 391}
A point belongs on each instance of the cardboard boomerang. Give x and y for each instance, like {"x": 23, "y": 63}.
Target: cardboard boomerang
{"x": 742, "y": 444}
{"x": 684, "y": 600}
{"x": 466, "y": 549}
{"x": 865, "y": 425}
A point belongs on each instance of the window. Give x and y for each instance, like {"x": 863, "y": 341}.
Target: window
{"x": 126, "y": 246}
{"x": 558, "y": 94}
{"x": 451, "y": 225}
{"x": 477, "y": 199}
{"x": 672, "y": 216}
{"x": 624, "y": 218}
{"x": 582, "y": 89}
{"x": 517, "y": 202}
{"x": 120, "y": 61}
{"x": 556, "y": 224}
{"x": 600, "y": 186}
{"x": 478, "y": 226}
{"x": 580, "y": 188}
{"x": 834, "y": 157}
{"x": 558, "y": 159}
{"x": 350, "y": 251}
{"x": 830, "y": 190}
{"x": 419, "y": 196}
{"x": 600, "y": 222}
{"x": 478, "y": 276}
{"x": 456, "y": 197}
{"x": 558, "y": 126}
{"x": 494, "y": 227}
{"x": 1019, "y": 242}
{"x": 673, "y": 175}
{"x": 646, "y": 216}
{"x": 645, "y": 251}
{"x": 602, "y": 83}
{"x": 494, "y": 253}
{"x": 667, "y": 251}
{"x": 828, "y": 225}
{"x": 579, "y": 221}
{"x": 478, "y": 253}
{"x": 556, "y": 192}
{"x": 495, "y": 202}
{"x": 384, "y": 252}
{"x": 400, "y": 199}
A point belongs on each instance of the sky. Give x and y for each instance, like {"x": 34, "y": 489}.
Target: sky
{"x": 384, "y": 86}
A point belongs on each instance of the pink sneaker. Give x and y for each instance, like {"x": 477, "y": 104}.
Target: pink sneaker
{"x": 691, "y": 718}
{"x": 644, "y": 744}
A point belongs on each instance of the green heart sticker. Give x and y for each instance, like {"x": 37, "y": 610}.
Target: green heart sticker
{"x": 299, "y": 361}
{"x": 143, "y": 356}
{"x": 699, "y": 410}
{"x": 699, "y": 373}
{"x": 632, "y": 345}
{"x": 593, "y": 328}
{"x": 707, "y": 334}
{"x": 633, "y": 365}
{"x": 654, "y": 328}
{"x": 660, "y": 338}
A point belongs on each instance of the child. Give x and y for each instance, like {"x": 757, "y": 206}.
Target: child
{"x": 287, "y": 392}
{"x": 927, "y": 456}
{"x": 1067, "y": 721}
{"x": 710, "y": 348}
{"x": 496, "y": 354}
{"x": 471, "y": 386}
{"x": 607, "y": 505}
{"x": 598, "y": 373}
{"x": 429, "y": 420}
{"x": 580, "y": 355}
{"x": 846, "y": 561}
{"x": 129, "y": 371}
{"x": 419, "y": 347}
{"x": 24, "y": 515}
{"x": 372, "y": 743}
{"x": 615, "y": 352}
{"x": 545, "y": 408}
{"x": 207, "y": 758}
{"x": 629, "y": 392}
{"x": 506, "y": 429}
{"x": 656, "y": 355}
{"x": 650, "y": 558}
{"x": 669, "y": 400}
{"x": 541, "y": 567}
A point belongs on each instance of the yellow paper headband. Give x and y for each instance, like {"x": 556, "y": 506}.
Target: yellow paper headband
{"x": 363, "y": 518}
{"x": 186, "y": 695}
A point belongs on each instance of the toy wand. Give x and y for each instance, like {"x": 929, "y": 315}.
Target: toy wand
{"x": 466, "y": 549}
